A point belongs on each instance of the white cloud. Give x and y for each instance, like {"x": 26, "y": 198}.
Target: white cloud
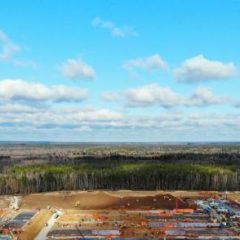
{"x": 97, "y": 115}
{"x": 199, "y": 68}
{"x": 76, "y": 68}
{"x": 154, "y": 62}
{"x": 8, "y": 50}
{"x": 204, "y": 96}
{"x": 65, "y": 124}
{"x": 154, "y": 94}
{"x": 115, "y": 31}
{"x": 7, "y": 47}
{"x": 110, "y": 96}
{"x": 171, "y": 120}
{"x": 65, "y": 117}
{"x": 16, "y": 108}
{"x": 17, "y": 89}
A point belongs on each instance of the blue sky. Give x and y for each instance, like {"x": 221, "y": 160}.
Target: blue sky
{"x": 119, "y": 70}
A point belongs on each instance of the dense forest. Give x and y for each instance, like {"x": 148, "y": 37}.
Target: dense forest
{"x": 39, "y": 178}
{"x": 28, "y": 169}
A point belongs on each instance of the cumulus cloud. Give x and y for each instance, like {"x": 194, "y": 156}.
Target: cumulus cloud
{"x": 16, "y": 108}
{"x": 66, "y": 123}
{"x": 110, "y": 96}
{"x": 182, "y": 121}
{"x": 154, "y": 94}
{"x": 204, "y": 96}
{"x": 76, "y": 68}
{"x": 17, "y": 89}
{"x": 97, "y": 115}
{"x": 65, "y": 117}
{"x": 199, "y": 69}
{"x": 115, "y": 31}
{"x": 154, "y": 62}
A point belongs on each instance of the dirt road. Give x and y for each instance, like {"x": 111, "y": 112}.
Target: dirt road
{"x": 31, "y": 230}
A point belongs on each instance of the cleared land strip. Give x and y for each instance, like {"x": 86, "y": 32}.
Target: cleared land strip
{"x": 43, "y": 233}
{"x": 31, "y": 230}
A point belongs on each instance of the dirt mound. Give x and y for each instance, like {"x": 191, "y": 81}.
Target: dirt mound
{"x": 160, "y": 201}
{"x": 101, "y": 200}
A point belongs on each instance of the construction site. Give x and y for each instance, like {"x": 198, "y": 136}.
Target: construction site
{"x": 121, "y": 215}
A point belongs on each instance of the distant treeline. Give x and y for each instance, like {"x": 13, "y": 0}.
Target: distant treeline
{"x": 135, "y": 176}
{"x": 232, "y": 158}
{"x": 211, "y": 158}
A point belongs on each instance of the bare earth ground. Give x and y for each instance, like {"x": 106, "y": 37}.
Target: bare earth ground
{"x": 123, "y": 199}
{"x": 93, "y": 202}
{"x": 235, "y": 197}
{"x": 34, "y": 227}
{"x": 4, "y": 202}
{"x": 105, "y": 200}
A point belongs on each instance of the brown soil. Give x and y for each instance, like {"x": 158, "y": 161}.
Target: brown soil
{"x": 4, "y": 202}
{"x": 102, "y": 200}
{"x": 31, "y": 230}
